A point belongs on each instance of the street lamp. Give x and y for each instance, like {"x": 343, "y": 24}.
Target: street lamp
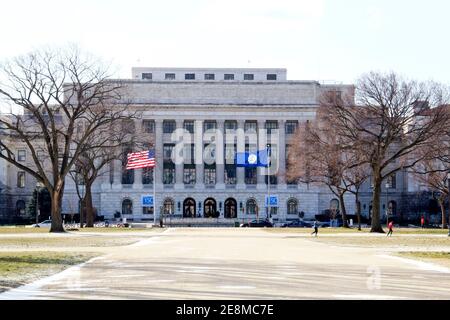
{"x": 387, "y": 204}
{"x": 448, "y": 182}
{"x": 39, "y": 187}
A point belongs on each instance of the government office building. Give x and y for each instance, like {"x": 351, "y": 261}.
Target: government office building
{"x": 200, "y": 101}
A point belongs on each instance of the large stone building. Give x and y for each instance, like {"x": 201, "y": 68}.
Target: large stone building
{"x": 203, "y": 101}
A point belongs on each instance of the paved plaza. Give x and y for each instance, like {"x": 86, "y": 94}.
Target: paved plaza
{"x": 242, "y": 264}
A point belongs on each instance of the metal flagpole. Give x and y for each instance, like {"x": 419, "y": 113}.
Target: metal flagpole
{"x": 154, "y": 196}
{"x": 268, "y": 183}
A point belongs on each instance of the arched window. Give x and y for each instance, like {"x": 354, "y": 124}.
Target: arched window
{"x": 127, "y": 206}
{"x": 20, "y": 207}
{"x": 392, "y": 208}
{"x": 292, "y": 206}
{"x": 251, "y": 206}
{"x": 169, "y": 206}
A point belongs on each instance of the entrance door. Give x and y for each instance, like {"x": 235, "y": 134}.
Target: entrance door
{"x": 189, "y": 208}
{"x": 210, "y": 208}
{"x": 230, "y": 208}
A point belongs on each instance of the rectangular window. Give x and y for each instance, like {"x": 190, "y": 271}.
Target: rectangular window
{"x": 228, "y": 76}
{"x": 250, "y": 126}
{"x": 209, "y": 76}
{"x": 271, "y": 77}
{"x": 392, "y": 181}
{"x": 273, "y": 179}
{"x": 147, "y": 210}
{"x": 230, "y": 174}
{"x": 148, "y": 126}
{"x": 249, "y": 76}
{"x": 21, "y": 179}
{"x": 128, "y": 126}
{"x": 169, "y": 173}
{"x": 169, "y": 126}
{"x": 189, "y": 177}
{"x": 270, "y": 126}
{"x": 230, "y": 125}
{"x": 167, "y": 152}
{"x": 210, "y": 125}
{"x": 250, "y": 176}
{"x": 189, "y": 126}
{"x": 127, "y": 175}
{"x": 170, "y": 76}
{"x": 291, "y": 126}
{"x": 147, "y": 176}
{"x": 21, "y": 155}
{"x": 189, "y": 76}
{"x": 210, "y": 174}
{"x": 147, "y": 76}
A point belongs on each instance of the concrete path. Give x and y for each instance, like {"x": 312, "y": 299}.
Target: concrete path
{"x": 241, "y": 264}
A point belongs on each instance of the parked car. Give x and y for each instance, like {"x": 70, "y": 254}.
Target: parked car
{"x": 43, "y": 224}
{"x": 257, "y": 224}
{"x": 298, "y": 224}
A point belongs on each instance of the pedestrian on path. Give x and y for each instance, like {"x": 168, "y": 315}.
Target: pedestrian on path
{"x": 391, "y": 229}
{"x": 316, "y": 229}
{"x": 422, "y": 222}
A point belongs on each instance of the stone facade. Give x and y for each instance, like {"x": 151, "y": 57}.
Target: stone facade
{"x": 265, "y": 99}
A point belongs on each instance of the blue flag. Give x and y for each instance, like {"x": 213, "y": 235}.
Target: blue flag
{"x": 252, "y": 159}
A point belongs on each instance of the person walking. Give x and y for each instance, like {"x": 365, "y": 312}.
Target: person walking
{"x": 422, "y": 222}
{"x": 316, "y": 229}
{"x": 391, "y": 229}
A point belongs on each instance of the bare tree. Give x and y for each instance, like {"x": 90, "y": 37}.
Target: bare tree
{"x": 433, "y": 169}
{"x": 319, "y": 156}
{"x": 388, "y": 123}
{"x": 101, "y": 150}
{"x": 56, "y": 90}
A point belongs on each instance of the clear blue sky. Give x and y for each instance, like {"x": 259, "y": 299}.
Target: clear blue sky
{"x": 320, "y": 39}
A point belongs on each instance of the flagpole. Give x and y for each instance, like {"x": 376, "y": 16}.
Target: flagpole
{"x": 154, "y": 196}
{"x": 268, "y": 184}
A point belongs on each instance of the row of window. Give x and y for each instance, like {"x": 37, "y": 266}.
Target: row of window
{"x": 169, "y": 126}
{"x": 209, "y": 76}
{"x": 169, "y": 206}
{"x": 190, "y": 177}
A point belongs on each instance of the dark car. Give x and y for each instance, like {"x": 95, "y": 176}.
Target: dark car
{"x": 257, "y": 224}
{"x": 298, "y": 224}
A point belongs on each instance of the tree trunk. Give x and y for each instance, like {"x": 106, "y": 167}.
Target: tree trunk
{"x": 89, "y": 207}
{"x": 82, "y": 209}
{"x": 57, "y": 223}
{"x": 343, "y": 210}
{"x": 376, "y": 222}
{"x": 358, "y": 211}
{"x": 442, "y": 205}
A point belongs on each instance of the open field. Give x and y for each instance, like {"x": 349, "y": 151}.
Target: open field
{"x": 224, "y": 263}
{"x": 363, "y": 231}
{"x": 441, "y": 258}
{"x": 6, "y": 230}
{"x": 238, "y": 263}
{"x": 19, "y": 268}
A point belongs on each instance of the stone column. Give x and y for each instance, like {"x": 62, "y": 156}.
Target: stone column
{"x": 199, "y": 164}
{"x": 220, "y": 159}
{"x": 159, "y": 153}
{"x": 117, "y": 167}
{"x": 138, "y": 172}
{"x": 240, "y": 148}
{"x": 262, "y": 142}
{"x": 179, "y": 167}
{"x": 282, "y": 155}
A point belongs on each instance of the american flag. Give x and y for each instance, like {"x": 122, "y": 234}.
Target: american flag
{"x": 143, "y": 159}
